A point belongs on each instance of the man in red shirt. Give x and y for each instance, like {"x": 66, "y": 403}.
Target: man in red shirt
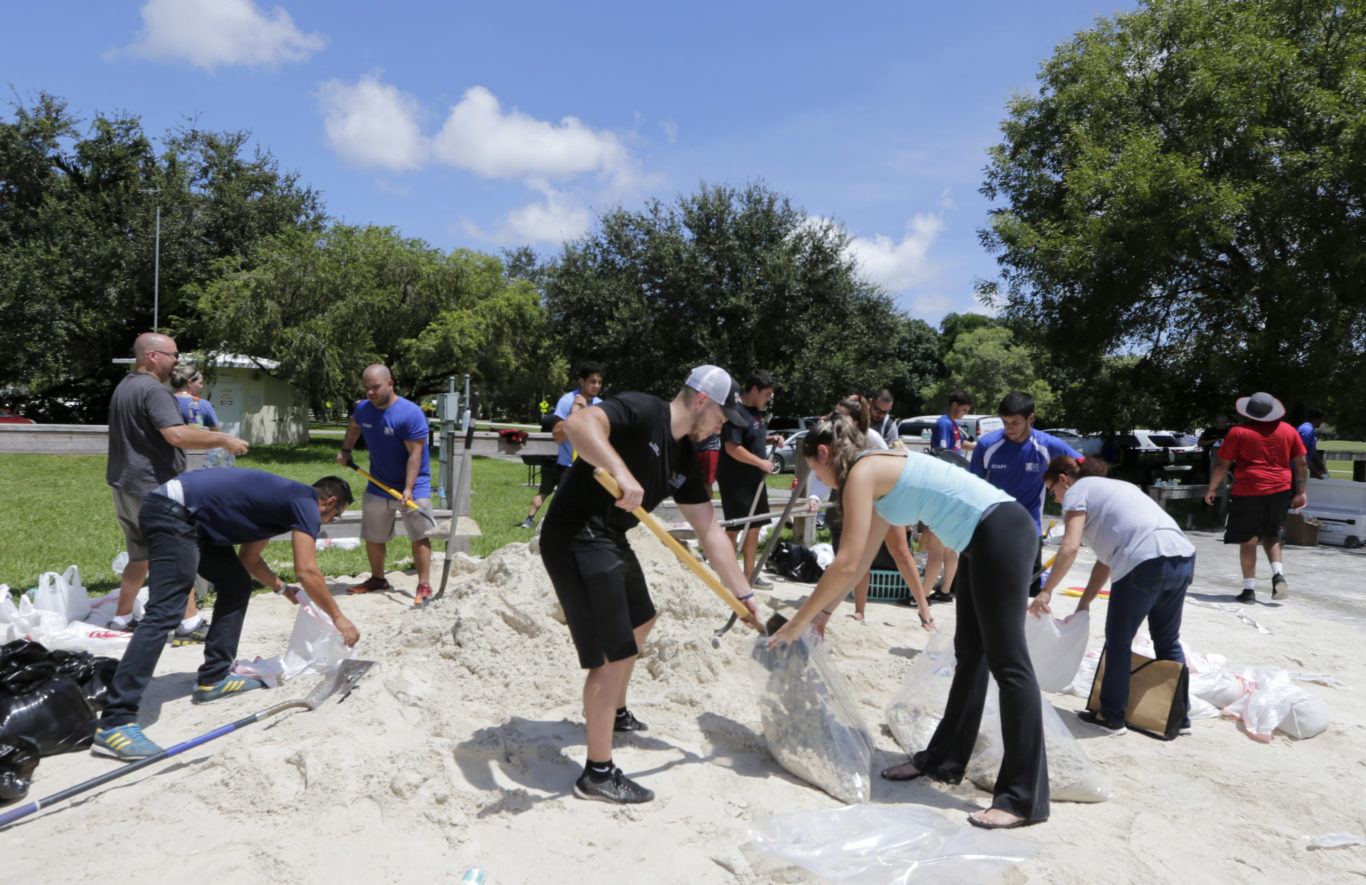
{"x": 1269, "y": 479}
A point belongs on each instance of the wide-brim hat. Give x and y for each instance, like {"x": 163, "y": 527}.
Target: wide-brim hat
{"x": 717, "y": 384}
{"x": 1260, "y": 407}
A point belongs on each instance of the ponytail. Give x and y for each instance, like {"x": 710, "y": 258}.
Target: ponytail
{"x": 844, "y": 440}
{"x": 1066, "y": 465}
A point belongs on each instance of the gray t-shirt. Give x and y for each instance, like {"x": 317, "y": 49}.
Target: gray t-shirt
{"x": 140, "y": 458}
{"x": 1124, "y": 526}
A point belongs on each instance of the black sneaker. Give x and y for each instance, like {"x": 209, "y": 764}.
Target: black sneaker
{"x": 1095, "y": 719}
{"x": 940, "y": 596}
{"x": 1279, "y": 588}
{"x": 627, "y": 721}
{"x": 761, "y": 583}
{"x": 526, "y": 523}
{"x": 1247, "y": 596}
{"x": 182, "y": 637}
{"x": 122, "y": 628}
{"x": 616, "y": 787}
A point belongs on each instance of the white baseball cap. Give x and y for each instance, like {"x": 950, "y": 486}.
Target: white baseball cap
{"x": 721, "y": 389}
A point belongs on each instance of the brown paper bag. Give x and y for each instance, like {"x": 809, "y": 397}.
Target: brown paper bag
{"x": 1157, "y": 695}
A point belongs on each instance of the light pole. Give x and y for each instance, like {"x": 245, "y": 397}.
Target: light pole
{"x": 156, "y": 267}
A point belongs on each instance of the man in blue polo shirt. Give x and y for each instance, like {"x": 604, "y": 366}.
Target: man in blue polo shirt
{"x": 395, "y": 431}
{"x": 191, "y": 524}
{"x": 1014, "y": 458}
{"x": 581, "y": 397}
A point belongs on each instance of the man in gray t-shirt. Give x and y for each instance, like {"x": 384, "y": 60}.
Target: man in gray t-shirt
{"x": 146, "y": 437}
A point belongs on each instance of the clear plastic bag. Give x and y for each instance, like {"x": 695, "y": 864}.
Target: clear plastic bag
{"x": 1056, "y": 647}
{"x": 810, "y": 721}
{"x": 315, "y": 645}
{"x": 918, "y": 703}
{"x": 875, "y": 845}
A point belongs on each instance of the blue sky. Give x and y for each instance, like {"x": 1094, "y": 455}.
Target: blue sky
{"x": 493, "y": 125}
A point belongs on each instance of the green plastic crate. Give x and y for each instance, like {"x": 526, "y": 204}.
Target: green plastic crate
{"x": 887, "y": 586}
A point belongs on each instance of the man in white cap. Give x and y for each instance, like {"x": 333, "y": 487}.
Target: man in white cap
{"x": 649, "y": 446}
{"x": 1268, "y": 479}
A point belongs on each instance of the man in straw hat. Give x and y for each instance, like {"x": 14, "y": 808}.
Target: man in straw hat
{"x": 1268, "y": 479}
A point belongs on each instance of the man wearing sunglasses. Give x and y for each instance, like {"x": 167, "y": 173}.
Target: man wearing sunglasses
{"x": 147, "y": 439}
{"x": 881, "y": 415}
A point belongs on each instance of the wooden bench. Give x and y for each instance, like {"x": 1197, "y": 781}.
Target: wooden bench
{"x": 348, "y": 526}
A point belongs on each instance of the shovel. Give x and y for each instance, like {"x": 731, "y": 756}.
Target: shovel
{"x": 343, "y": 678}
{"x": 609, "y": 482}
{"x": 411, "y": 505}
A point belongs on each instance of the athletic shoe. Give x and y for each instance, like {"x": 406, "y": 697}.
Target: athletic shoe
{"x": 627, "y": 721}
{"x": 940, "y": 596}
{"x": 125, "y": 742}
{"x": 181, "y": 636}
{"x": 526, "y": 523}
{"x": 374, "y": 584}
{"x": 762, "y": 583}
{"x": 424, "y": 593}
{"x": 1247, "y": 596}
{"x": 1185, "y": 729}
{"x": 1279, "y": 588}
{"x": 616, "y": 787}
{"x": 1095, "y": 719}
{"x": 122, "y": 628}
{"x": 225, "y": 686}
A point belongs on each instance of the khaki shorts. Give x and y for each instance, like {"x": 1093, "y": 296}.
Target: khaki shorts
{"x": 126, "y": 508}
{"x": 377, "y": 518}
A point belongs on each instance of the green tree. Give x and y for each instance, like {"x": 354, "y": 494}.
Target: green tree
{"x": 986, "y": 364}
{"x": 1187, "y": 187}
{"x": 735, "y": 277}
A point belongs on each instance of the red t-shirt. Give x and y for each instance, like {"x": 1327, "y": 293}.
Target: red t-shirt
{"x": 1261, "y": 452}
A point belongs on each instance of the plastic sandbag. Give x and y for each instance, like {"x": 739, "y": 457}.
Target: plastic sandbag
{"x": 1308, "y": 717}
{"x": 8, "y": 614}
{"x": 271, "y": 671}
{"x": 102, "y": 609}
{"x": 18, "y": 759}
{"x": 315, "y": 645}
{"x": 1071, "y": 776}
{"x": 63, "y": 593}
{"x": 874, "y": 845}
{"x": 1056, "y": 647}
{"x": 918, "y": 704}
{"x": 810, "y": 721}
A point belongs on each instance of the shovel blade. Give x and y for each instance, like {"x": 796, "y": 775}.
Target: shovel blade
{"x": 773, "y": 624}
{"x": 347, "y": 674}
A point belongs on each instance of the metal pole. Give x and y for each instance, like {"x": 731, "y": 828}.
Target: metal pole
{"x": 156, "y": 271}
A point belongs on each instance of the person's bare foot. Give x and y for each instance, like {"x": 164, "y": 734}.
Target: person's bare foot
{"x": 996, "y": 819}
{"x": 903, "y": 772}
{"x": 858, "y": 616}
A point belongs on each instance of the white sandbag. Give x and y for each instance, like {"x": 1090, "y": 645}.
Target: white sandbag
{"x": 103, "y": 608}
{"x": 63, "y": 593}
{"x": 1071, "y": 776}
{"x": 1263, "y": 708}
{"x": 1308, "y": 717}
{"x": 918, "y": 704}
{"x": 315, "y": 645}
{"x": 84, "y": 636}
{"x": 1056, "y": 647}
{"x": 8, "y": 613}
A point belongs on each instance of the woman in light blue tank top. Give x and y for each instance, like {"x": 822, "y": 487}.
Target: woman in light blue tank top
{"x": 997, "y": 538}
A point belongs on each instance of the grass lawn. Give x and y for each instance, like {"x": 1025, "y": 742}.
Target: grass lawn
{"x": 62, "y": 512}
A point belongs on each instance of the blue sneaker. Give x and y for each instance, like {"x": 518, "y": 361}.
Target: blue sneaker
{"x": 126, "y": 742}
{"x": 225, "y": 686}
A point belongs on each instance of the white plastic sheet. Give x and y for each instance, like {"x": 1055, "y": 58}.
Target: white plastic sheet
{"x": 315, "y": 645}
{"x": 876, "y": 845}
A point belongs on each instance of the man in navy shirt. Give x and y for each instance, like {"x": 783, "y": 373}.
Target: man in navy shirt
{"x": 191, "y": 524}
{"x": 1014, "y": 458}
{"x": 395, "y": 431}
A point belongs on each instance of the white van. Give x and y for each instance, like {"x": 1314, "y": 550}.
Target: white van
{"x": 973, "y": 426}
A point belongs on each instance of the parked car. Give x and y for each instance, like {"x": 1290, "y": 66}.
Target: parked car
{"x": 1088, "y": 444}
{"x": 784, "y": 457}
{"x": 1146, "y": 456}
{"x": 8, "y": 417}
{"x": 788, "y": 424}
{"x": 973, "y": 426}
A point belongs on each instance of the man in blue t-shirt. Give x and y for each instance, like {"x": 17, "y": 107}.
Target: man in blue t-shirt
{"x": 581, "y": 397}
{"x": 191, "y": 524}
{"x": 1309, "y": 434}
{"x": 395, "y": 431}
{"x": 1014, "y": 458}
{"x": 947, "y": 434}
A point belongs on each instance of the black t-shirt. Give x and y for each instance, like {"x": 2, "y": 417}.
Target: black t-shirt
{"x": 640, "y": 432}
{"x": 753, "y": 437}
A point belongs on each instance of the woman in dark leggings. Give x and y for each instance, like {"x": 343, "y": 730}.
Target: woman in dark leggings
{"x": 997, "y": 539}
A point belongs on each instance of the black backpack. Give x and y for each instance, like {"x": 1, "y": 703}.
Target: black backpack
{"x": 796, "y": 563}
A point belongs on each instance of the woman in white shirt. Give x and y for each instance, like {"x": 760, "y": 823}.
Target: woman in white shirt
{"x": 1142, "y": 553}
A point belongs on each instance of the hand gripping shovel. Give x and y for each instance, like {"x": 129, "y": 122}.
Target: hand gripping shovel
{"x": 411, "y": 505}
{"x": 343, "y": 678}
{"x": 609, "y": 482}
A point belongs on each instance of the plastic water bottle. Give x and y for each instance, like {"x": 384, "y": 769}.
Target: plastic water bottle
{"x": 120, "y": 562}
{"x": 473, "y": 876}
{"x": 219, "y": 457}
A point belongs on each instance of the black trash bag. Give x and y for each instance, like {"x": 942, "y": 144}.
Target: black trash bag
{"x": 96, "y": 688}
{"x": 56, "y": 715}
{"x": 18, "y": 759}
{"x": 24, "y": 665}
{"x": 796, "y": 563}
{"x": 76, "y": 664}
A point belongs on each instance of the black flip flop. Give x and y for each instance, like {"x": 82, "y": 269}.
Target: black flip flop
{"x": 1023, "y": 822}
{"x": 909, "y": 777}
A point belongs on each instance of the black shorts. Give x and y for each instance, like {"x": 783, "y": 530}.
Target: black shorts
{"x": 1256, "y": 516}
{"x": 603, "y": 593}
{"x": 550, "y": 476}
{"x": 736, "y": 501}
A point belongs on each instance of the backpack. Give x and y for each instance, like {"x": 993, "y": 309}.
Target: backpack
{"x": 796, "y": 563}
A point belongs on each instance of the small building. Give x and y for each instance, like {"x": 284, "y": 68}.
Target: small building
{"x": 252, "y": 404}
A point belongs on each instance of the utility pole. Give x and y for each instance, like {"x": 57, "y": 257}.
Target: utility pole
{"x": 156, "y": 266}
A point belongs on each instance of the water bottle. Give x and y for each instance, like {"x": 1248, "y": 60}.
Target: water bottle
{"x": 120, "y": 562}
{"x": 473, "y": 876}
{"x": 219, "y": 457}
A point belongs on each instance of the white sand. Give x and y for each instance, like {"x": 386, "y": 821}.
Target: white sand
{"x": 462, "y": 744}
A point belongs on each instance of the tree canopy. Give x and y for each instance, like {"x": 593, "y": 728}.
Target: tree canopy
{"x": 740, "y": 278}
{"x": 1186, "y": 188}
{"x": 988, "y": 364}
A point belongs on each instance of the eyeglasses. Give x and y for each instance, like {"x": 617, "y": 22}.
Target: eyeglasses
{"x": 878, "y": 410}
{"x": 173, "y": 354}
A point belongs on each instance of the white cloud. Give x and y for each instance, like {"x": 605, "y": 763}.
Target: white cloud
{"x": 480, "y": 137}
{"x": 554, "y": 219}
{"x": 213, "y": 33}
{"x": 373, "y": 124}
{"x": 899, "y": 266}
{"x": 931, "y": 304}
{"x": 670, "y": 131}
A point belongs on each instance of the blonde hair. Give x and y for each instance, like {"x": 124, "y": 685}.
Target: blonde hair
{"x": 844, "y": 439}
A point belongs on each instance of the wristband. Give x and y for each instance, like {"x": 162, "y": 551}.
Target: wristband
{"x": 826, "y": 613}
{"x": 746, "y": 596}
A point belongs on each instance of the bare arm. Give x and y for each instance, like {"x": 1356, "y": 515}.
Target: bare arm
{"x": 1300, "y": 465}
{"x": 193, "y": 436}
{"x": 1216, "y": 477}
{"x": 720, "y": 553}
{"x": 311, "y": 577}
{"x": 745, "y": 456}
{"x": 1073, "y": 521}
{"x": 349, "y": 443}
